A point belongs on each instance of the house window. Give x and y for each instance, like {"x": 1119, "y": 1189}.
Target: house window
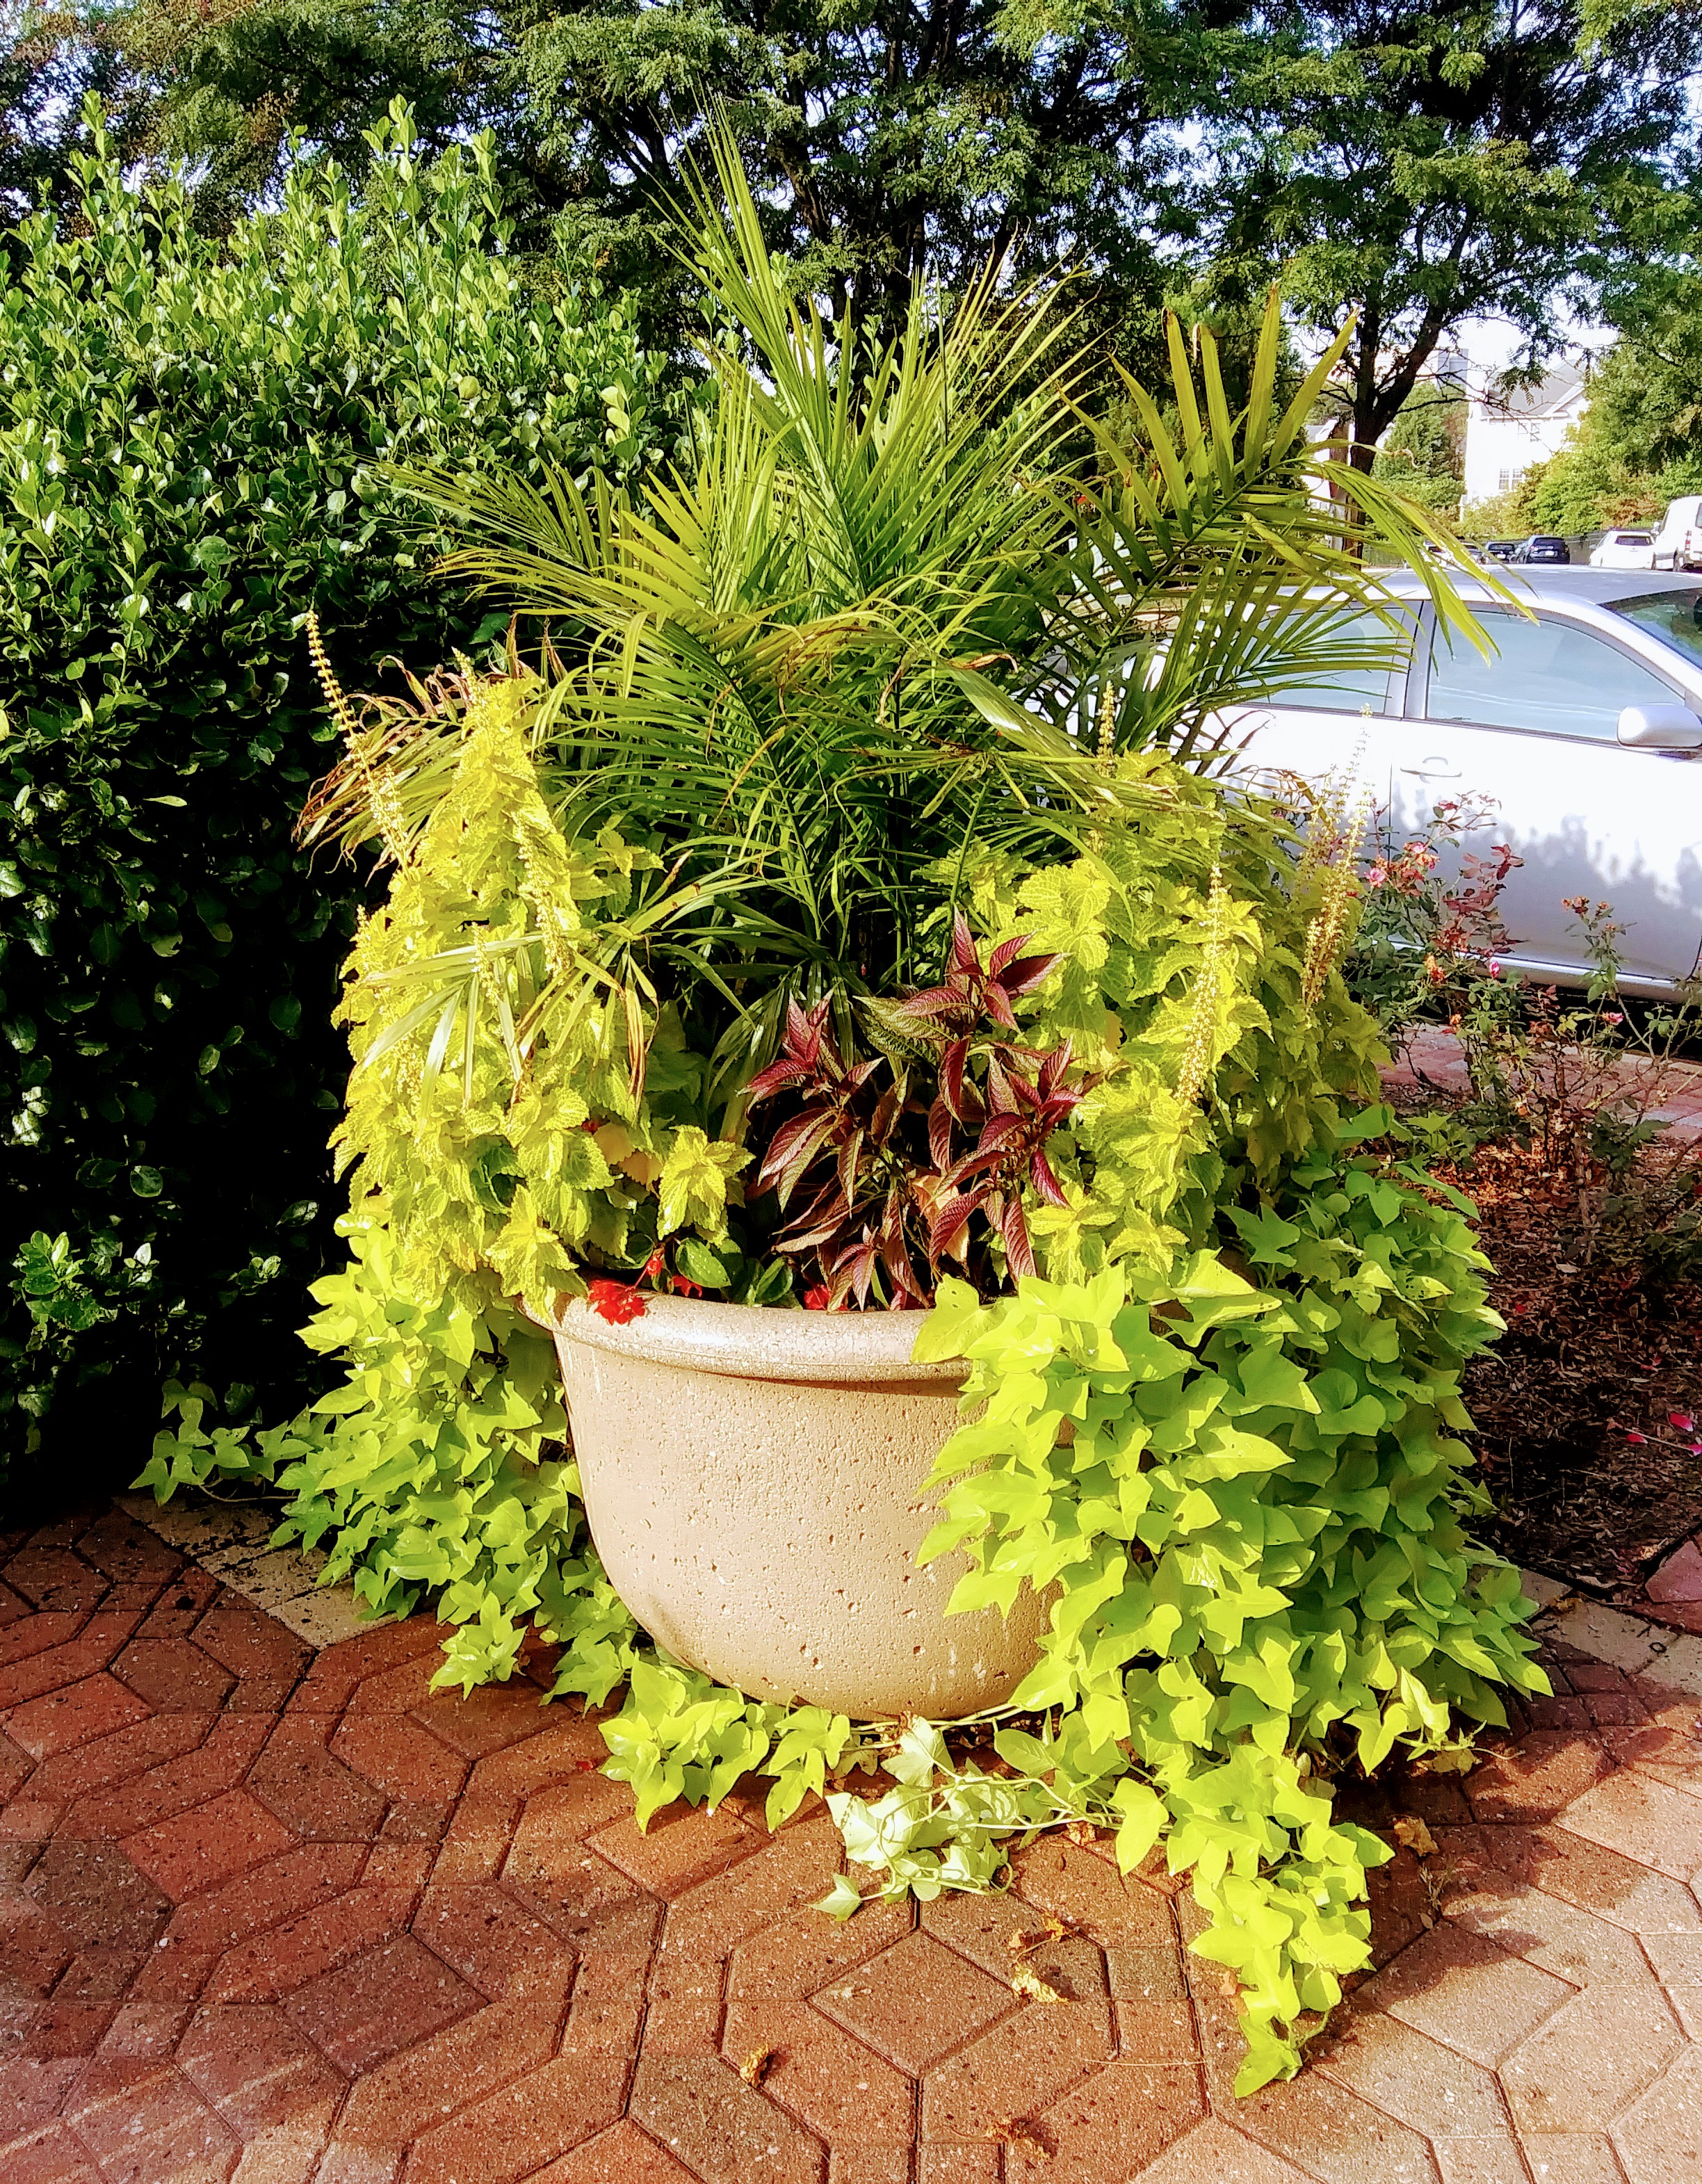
{"x": 1505, "y": 482}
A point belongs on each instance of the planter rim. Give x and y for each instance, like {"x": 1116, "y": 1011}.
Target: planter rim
{"x": 759, "y": 1342}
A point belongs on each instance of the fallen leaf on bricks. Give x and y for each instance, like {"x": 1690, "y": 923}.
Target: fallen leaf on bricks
{"x": 1013, "y": 2131}
{"x": 757, "y": 2065}
{"x": 1019, "y": 1943}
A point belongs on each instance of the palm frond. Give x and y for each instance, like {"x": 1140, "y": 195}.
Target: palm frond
{"x": 871, "y": 620}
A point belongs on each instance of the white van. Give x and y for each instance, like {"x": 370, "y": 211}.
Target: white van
{"x": 1678, "y": 542}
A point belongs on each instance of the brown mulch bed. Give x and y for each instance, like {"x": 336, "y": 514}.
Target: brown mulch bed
{"x": 1596, "y": 1353}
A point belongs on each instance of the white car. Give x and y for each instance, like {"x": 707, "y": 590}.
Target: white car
{"x": 1624, "y": 549}
{"x": 1583, "y": 726}
{"x": 1678, "y": 542}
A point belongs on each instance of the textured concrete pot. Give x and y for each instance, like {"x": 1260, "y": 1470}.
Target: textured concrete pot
{"x": 753, "y": 1481}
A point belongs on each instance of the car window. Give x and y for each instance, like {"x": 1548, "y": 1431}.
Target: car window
{"x": 1674, "y": 617}
{"x": 1350, "y": 689}
{"x": 1547, "y": 676}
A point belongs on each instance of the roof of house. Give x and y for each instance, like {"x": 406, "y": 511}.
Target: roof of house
{"x": 1562, "y": 390}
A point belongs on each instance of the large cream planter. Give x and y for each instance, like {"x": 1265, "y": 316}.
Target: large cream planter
{"x": 753, "y": 1481}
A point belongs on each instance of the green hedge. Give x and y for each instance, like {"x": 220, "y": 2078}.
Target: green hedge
{"x": 191, "y": 430}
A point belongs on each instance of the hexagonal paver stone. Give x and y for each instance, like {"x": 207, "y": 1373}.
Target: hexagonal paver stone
{"x": 915, "y": 2003}
{"x": 1591, "y": 2060}
{"x": 701, "y": 2109}
{"x": 258, "y": 2071}
{"x": 209, "y": 1844}
{"x": 311, "y": 1792}
{"x": 96, "y": 1894}
{"x": 1092, "y": 1897}
{"x": 832, "y": 2083}
{"x": 1016, "y": 2069}
{"x": 1660, "y": 2139}
{"x": 1110, "y": 2128}
{"x": 60, "y": 1721}
{"x": 383, "y": 2001}
{"x": 512, "y": 2132}
{"x": 1467, "y": 1993}
{"x": 804, "y": 1951}
{"x": 1643, "y": 1820}
{"x": 173, "y": 1675}
{"x": 145, "y": 2120}
{"x": 682, "y": 1845}
{"x": 55, "y": 1579}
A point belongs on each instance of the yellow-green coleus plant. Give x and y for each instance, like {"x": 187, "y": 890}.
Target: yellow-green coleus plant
{"x": 522, "y": 1105}
{"x": 1184, "y": 943}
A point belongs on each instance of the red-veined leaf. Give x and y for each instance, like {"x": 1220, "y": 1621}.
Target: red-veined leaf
{"x": 779, "y": 1077}
{"x": 793, "y": 1146}
{"x": 1040, "y": 1176}
{"x": 1052, "y": 1069}
{"x": 950, "y": 1224}
{"x": 999, "y": 1087}
{"x": 940, "y": 1133}
{"x": 1018, "y": 1253}
{"x": 996, "y": 1006}
{"x": 888, "y": 1110}
{"x": 1027, "y": 972}
{"x": 953, "y": 1063}
{"x": 849, "y": 1153}
{"x": 934, "y": 1005}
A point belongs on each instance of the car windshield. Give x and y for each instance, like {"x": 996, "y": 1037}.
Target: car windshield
{"x": 1674, "y": 617}
{"x": 1631, "y": 538}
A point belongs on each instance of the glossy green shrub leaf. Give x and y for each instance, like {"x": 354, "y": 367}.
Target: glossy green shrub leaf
{"x": 193, "y": 431}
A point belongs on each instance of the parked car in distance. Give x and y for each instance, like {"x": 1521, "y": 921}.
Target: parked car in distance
{"x": 1624, "y": 549}
{"x": 1582, "y": 729}
{"x": 1678, "y": 542}
{"x": 1500, "y": 549}
{"x": 1542, "y": 547}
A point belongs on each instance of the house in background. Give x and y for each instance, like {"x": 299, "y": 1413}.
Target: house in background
{"x": 1507, "y": 433}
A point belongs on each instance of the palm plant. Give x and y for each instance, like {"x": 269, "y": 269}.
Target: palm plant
{"x": 876, "y": 626}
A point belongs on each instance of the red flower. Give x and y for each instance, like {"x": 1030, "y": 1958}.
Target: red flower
{"x": 816, "y": 1298}
{"x": 615, "y": 1302}
{"x": 1638, "y": 1439}
{"x": 1683, "y": 1420}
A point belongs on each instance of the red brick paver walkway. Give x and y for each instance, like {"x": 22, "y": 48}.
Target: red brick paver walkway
{"x": 1431, "y": 1055}
{"x": 1673, "y": 1594}
{"x": 280, "y": 1916}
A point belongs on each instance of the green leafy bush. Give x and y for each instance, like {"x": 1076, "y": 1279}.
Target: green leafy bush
{"x": 190, "y": 432}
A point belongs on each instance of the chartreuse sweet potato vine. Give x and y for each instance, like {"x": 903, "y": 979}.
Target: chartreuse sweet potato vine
{"x": 862, "y": 703}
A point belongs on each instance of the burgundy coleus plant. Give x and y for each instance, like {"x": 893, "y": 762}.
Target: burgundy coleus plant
{"x": 905, "y": 1159}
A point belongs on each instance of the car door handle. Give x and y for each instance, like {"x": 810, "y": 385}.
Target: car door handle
{"x": 1432, "y": 769}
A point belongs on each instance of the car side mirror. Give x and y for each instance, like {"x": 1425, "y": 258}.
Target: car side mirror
{"x": 1659, "y": 727}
